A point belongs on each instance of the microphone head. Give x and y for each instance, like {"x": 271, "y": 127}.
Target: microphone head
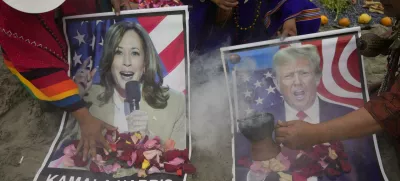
{"x": 132, "y": 91}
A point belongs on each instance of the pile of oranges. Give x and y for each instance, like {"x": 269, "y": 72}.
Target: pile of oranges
{"x": 363, "y": 19}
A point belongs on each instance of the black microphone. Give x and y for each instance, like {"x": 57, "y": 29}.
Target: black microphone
{"x": 132, "y": 91}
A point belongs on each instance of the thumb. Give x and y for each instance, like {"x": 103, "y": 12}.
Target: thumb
{"x": 92, "y": 73}
{"x": 284, "y": 34}
{"x": 282, "y": 124}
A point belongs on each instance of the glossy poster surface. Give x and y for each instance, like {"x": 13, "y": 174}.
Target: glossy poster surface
{"x": 314, "y": 78}
{"x": 132, "y": 70}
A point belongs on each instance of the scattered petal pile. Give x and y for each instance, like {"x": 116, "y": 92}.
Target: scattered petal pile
{"x": 135, "y": 152}
{"x": 326, "y": 159}
{"x": 145, "y": 4}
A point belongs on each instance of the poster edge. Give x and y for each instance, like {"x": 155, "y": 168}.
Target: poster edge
{"x": 53, "y": 144}
{"x": 186, "y": 21}
{"x": 294, "y": 38}
{"x": 130, "y": 12}
{"x": 230, "y": 111}
{"x": 374, "y": 137}
{"x": 355, "y": 31}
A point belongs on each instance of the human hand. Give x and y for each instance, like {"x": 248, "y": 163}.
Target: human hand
{"x": 84, "y": 77}
{"x": 118, "y": 4}
{"x": 138, "y": 122}
{"x": 289, "y": 29}
{"x": 296, "y": 134}
{"x": 226, "y": 4}
{"x": 91, "y": 133}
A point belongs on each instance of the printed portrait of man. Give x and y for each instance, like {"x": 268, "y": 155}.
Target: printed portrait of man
{"x": 297, "y": 74}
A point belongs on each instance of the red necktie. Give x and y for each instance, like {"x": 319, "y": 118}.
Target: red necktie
{"x": 301, "y": 115}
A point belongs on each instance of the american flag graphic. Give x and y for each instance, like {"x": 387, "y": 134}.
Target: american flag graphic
{"x": 86, "y": 38}
{"x": 340, "y": 82}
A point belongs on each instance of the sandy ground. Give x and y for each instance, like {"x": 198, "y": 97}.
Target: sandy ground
{"x": 27, "y": 129}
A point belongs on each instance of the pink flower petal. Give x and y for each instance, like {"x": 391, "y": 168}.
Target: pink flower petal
{"x": 284, "y": 160}
{"x": 115, "y": 167}
{"x": 99, "y": 160}
{"x": 133, "y": 158}
{"x": 105, "y": 151}
{"x": 68, "y": 162}
{"x": 134, "y": 138}
{"x": 119, "y": 153}
{"x": 150, "y": 144}
{"x": 108, "y": 169}
{"x": 150, "y": 154}
{"x": 109, "y": 138}
{"x": 70, "y": 150}
{"x": 158, "y": 158}
{"x": 153, "y": 169}
{"x": 256, "y": 166}
{"x": 169, "y": 145}
{"x": 323, "y": 164}
{"x": 176, "y": 161}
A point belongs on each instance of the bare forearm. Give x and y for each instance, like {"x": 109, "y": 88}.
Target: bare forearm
{"x": 356, "y": 124}
{"x": 81, "y": 114}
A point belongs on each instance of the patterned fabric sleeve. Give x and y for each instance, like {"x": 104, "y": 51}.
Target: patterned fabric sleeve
{"x": 34, "y": 50}
{"x": 385, "y": 109}
{"x": 49, "y": 84}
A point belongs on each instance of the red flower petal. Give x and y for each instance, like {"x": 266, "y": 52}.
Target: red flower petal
{"x": 78, "y": 161}
{"x": 113, "y": 146}
{"x": 140, "y": 158}
{"x": 171, "y": 168}
{"x": 94, "y": 168}
{"x": 126, "y": 155}
{"x": 170, "y": 155}
{"x": 179, "y": 172}
{"x": 345, "y": 165}
{"x": 298, "y": 177}
{"x": 189, "y": 168}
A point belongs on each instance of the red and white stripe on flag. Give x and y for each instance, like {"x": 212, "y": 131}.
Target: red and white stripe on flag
{"x": 167, "y": 34}
{"x": 341, "y": 74}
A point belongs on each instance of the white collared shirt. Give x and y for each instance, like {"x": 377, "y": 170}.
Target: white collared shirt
{"x": 312, "y": 113}
{"x": 312, "y": 117}
{"x": 119, "y": 113}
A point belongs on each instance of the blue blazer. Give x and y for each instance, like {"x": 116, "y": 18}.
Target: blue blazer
{"x": 361, "y": 152}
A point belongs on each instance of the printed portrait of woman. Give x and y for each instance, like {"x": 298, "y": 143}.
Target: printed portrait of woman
{"x": 129, "y": 55}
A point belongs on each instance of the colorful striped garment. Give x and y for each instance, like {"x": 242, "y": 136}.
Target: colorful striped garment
{"x": 35, "y": 51}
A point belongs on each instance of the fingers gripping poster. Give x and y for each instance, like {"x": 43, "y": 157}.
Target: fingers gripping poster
{"x": 315, "y": 78}
{"x": 132, "y": 71}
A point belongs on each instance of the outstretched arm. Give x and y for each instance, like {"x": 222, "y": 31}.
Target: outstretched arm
{"x": 356, "y": 124}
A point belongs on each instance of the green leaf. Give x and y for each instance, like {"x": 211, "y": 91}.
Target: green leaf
{"x": 337, "y": 6}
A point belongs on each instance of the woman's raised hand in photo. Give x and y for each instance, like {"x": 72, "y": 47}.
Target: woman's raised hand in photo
{"x": 84, "y": 77}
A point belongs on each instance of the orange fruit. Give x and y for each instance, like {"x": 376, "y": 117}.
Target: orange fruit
{"x": 386, "y": 21}
{"x": 364, "y": 18}
{"x": 324, "y": 20}
{"x": 345, "y": 22}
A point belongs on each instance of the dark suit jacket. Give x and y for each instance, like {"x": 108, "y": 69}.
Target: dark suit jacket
{"x": 361, "y": 152}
